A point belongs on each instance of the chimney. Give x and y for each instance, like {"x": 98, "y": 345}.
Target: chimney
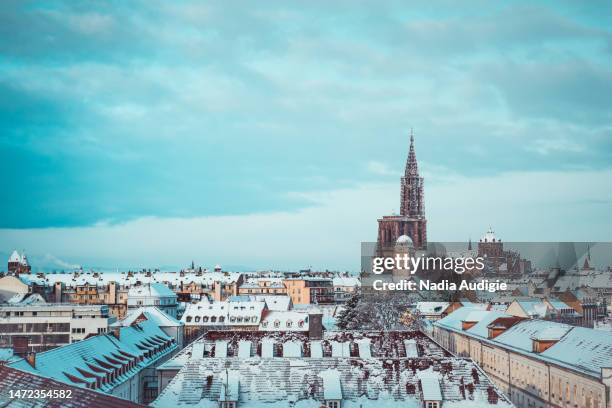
{"x": 31, "y": 359}
{"x": 116, "y": 331}
{"x": 315, "y": 326}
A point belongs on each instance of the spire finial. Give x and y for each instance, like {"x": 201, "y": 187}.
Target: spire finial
{"x": 411, "y": 135}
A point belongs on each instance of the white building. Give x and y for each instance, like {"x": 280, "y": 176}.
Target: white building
{"x": 153, "y": 294}
{"x": 40, "y": 326}
{"x": 167, "y": 323}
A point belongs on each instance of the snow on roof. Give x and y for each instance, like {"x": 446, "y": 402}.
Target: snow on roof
{"x": 155, "y": 289}
{"x": 332, "y": 390}
{"x": 244, "y": 349}
{"x": 480, "y": 329}
{"x": 131, "y": 279}
{"x": 159, "y": 317}
{"x": 429, "y": 308}
{"x": 267, "y": 348}
{"x": 15, "y": 257}
{"x": 316, "y": 349}
{"x": 224, "y": 313}
{"x": 279, "y": 303}
{"x": 582, "y": 349}
{"x": 550, "y": 333}
{"x": 292, "y": 349}
{"x": 221, "y": 348}
{"x": 284, "y": 321}
{"x": 520, "y": 335}
{"x": 364, "y": 348}
{"x": 230, "y": 387}
{"x": 276, "y": 382}
{"x": 558, "y": 304}
{"x": 411, "y": 348}
{"x": 340, "y": 349}
{"x": 534, "y": 307}
{"x": 350, "y": 281}
{"x": 588, "y": 349}
{"x": 431, "y": 387}
{"x": 453, "y": 320}
{"x": 81, "y": 362}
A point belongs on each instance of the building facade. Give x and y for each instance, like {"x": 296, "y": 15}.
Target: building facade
{"x": 38, "y": 327}
{"x": 411, "y": 221}
{"x": 537, "y": 363}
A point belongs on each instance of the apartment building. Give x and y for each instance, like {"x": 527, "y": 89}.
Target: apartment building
{"x": 37, "y": 327}
{"x": 121, "y": 363}
{"x": 537, "y": 363}
{"x": 310, "y": 290}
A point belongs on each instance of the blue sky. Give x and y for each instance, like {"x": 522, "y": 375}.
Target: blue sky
{"x": 208, "y": 123}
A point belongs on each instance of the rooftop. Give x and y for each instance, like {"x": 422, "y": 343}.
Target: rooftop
{"x": 13, "y": 379}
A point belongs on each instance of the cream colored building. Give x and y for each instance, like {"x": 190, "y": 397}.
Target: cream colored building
{"x": 536, "y": 363}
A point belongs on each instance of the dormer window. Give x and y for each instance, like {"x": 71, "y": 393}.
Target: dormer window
{"x": 289, "y": 323}
{"x": 276, "y": 323}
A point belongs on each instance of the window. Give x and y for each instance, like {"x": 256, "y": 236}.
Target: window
{"x": 205, "y": 319}
{"x": 432, "y": 404}
{"x": 333, "y": 404}
{"x": 197, "y": 319}
{"x": 213, "y": 319}
{"x": 221, "y": 319}
{"x": 301, "y": 323}
{"x": 276, "y": 323}
{"x": 188, "y": 319}
{"x": 289, "y": 323}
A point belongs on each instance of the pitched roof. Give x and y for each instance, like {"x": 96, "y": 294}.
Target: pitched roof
{"x": 13, "y": 379}
{"x": 152, "y": 313}
{"x": 83, "y": 362}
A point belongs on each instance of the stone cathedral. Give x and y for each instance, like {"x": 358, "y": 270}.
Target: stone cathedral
{"x": 411, "y": 221}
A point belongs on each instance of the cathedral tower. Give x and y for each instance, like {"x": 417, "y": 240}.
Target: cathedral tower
{"x": 411, "y": 221}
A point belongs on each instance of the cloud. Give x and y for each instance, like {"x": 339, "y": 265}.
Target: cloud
{"x": 112, "y": 114}
{"x": 523, "y": 206}
{"x": 381, "y": 169}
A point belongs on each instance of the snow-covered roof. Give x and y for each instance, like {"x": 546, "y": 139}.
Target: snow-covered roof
{"x": 240, "y": 313}
{"x": 340, "y": 349}
{"x": 82, "y": 362}
{"x": 489, "y": 236}
{"x": 431, "y": 308}
{"x": 15, "y": 257}
{"x": 230, "y": 387}
{"x": 155, "y": 290}
{"x": 267, "y": 348}
{"x": 581, "y": 349}
{"x": 308, "y": 382}
{"x": 244, "y": 349}
{"x": 364, "y": 348}
{"x": 431, "y": 388}
{"x": 175, "y": 279}
{"x": 277, "y": 303}
{"x": 292, "y": 349}
{"x": 411, "y": 348}
{"x": 349, "y": 281}
{"x": 316, "y": 349}
{"x": 332, "y": 389}
{"x": 284, "y": 321}
{"x": 152, "y": 313}
{"x": 221, "y": 348}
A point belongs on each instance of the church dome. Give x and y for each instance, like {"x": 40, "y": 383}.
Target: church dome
{"x": 404, "y": 240}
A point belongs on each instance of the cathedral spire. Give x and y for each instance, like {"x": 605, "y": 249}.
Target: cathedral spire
{"x": 411, "y": 201}
{"x": 412, "y": 168}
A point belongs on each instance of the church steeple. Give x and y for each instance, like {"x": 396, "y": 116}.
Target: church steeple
{"x": 411, "y": 200}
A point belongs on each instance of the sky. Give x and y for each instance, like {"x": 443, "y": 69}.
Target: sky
{"x": 273, "y": 135}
